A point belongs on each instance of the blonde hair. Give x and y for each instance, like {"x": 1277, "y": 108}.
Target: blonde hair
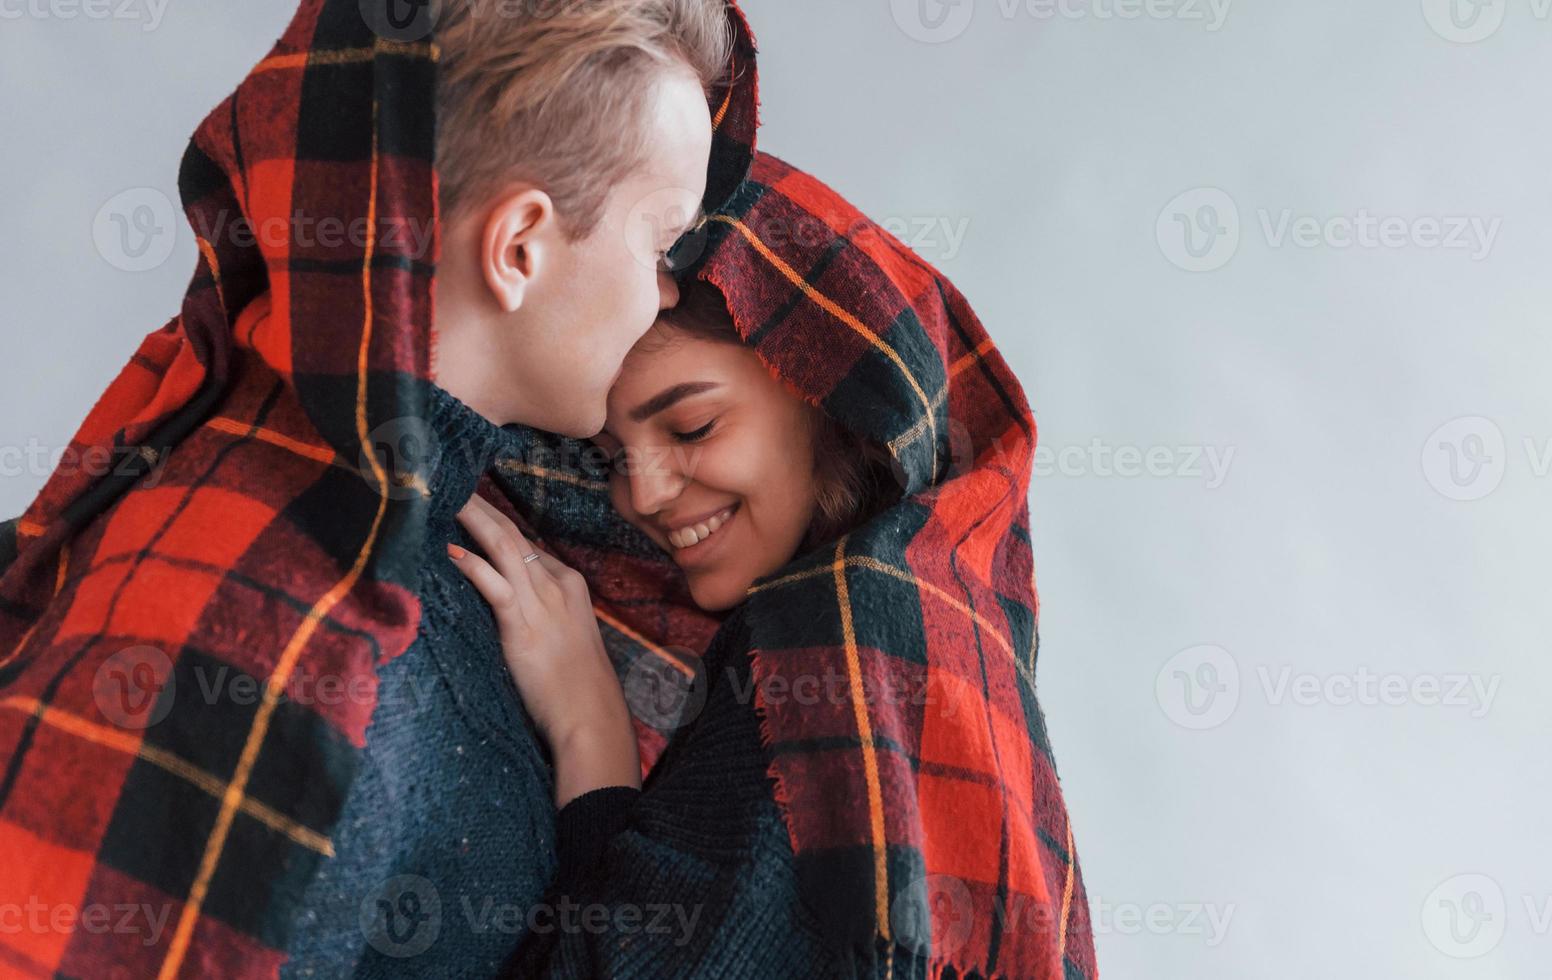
{"x": 556, "y": 92}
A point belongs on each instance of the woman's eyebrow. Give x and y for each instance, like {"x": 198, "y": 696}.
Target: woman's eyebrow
{"x": 670, "y": 397}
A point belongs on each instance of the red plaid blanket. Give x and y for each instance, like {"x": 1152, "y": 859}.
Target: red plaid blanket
{"x": 918, "y": 786}
{"x": 190, "y": 625}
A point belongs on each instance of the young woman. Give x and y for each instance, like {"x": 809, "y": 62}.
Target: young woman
{"x": 836, "y": 459}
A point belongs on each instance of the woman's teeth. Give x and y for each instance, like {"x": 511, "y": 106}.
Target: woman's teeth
{"x": 687, "y": 537}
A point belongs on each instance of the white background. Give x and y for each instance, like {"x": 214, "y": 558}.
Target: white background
{"x": 1046, "y": 147}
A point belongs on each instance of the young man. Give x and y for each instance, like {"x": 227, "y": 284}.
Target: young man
{"x": 242, "y": 691}
{"x": 563, "y": 186}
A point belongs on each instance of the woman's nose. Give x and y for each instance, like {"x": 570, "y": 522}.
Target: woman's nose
{"x": 654, "y": 483}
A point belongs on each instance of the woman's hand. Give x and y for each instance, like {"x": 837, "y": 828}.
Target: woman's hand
{"x": 552, "y": 646}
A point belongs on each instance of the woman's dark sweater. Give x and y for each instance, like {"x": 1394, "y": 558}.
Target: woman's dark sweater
{"x": 693, "y": 875}
{"x": 449, "y": 825}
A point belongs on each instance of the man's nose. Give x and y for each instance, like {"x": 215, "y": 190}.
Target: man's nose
{"x": 668, "y": 291}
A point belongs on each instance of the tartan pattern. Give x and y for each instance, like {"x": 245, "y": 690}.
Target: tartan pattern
{"x": 922, "y": 803}
{"x": 171, "y": 623}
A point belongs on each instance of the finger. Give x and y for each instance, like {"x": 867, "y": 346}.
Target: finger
{"x": 486, "y": 580}
{"x": 502, "y": 521}
{"x": 551, "y": 564}
{"x": 505, "y": 552}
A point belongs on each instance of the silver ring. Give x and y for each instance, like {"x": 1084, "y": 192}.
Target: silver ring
{"x": 532, "y": 557}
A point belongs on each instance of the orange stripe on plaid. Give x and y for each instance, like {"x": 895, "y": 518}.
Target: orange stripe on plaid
{"x": 64, "y": 567}
{"x": 541, "y": 473}
{"x": 322, "y": 454}
{"x": 915, "y": 431}
{"x": 31, "y": 529}
{"x": 274, "y": 685}
{"x": 873, "y": 564}
{"x": 1061, "y": 932}
{"x": 636, "y": 637}
{"x": 970, "y": 358}
{"x": 122, "y": 742}
{"x": 834, "y": 309}
{"x": 865, "y": 734}
{"x": 727, "y": 100}
{"x": 347, "y": 56}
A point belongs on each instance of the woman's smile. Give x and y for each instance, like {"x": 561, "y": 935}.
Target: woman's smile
{"x": 693, "y": 543}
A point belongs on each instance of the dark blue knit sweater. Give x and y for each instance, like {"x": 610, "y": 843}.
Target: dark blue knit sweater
{"x": 693, "y": 875}
{"x": 448, "y": 833}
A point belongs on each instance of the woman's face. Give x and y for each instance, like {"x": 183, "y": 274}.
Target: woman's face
{"x": 713, "y": 459}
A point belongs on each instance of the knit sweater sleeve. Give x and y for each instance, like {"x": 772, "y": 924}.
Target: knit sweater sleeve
{"x": 695, "y": 875}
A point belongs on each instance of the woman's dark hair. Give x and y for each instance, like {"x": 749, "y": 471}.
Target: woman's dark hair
{"x": 855, "y": 475}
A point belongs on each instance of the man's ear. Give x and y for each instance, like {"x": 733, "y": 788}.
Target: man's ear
{"x": 517, "y": 230}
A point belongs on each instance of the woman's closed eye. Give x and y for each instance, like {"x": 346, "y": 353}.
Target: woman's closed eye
{"x": 697, "y": 435}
